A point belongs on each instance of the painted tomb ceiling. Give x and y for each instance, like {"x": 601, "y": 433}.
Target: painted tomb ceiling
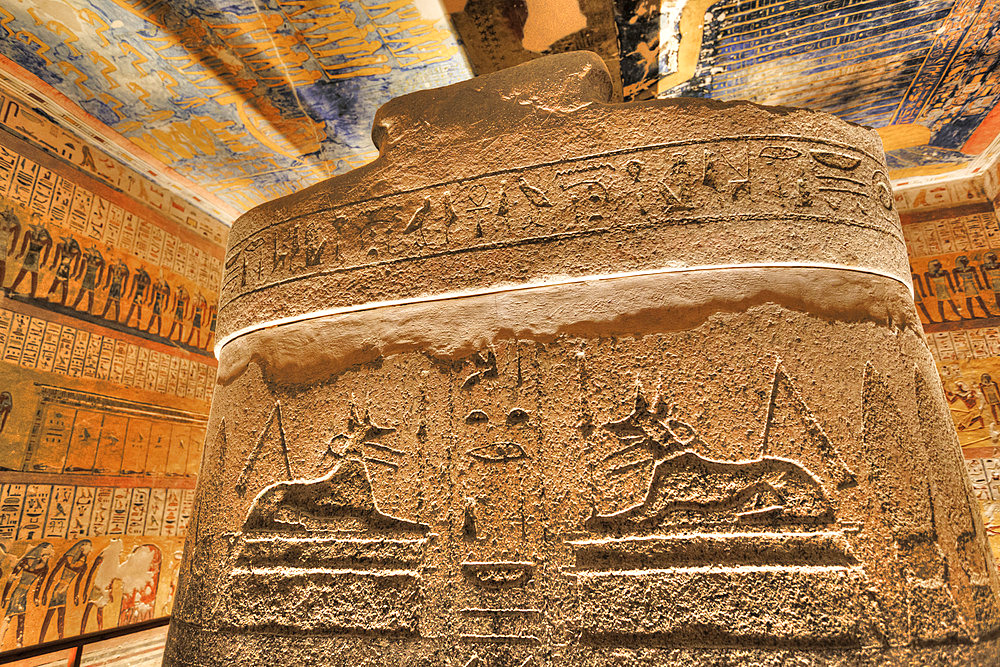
{"x": 242, "y": 101}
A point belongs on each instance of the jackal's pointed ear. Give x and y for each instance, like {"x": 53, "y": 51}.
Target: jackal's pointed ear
{"x": 641, "y": 403}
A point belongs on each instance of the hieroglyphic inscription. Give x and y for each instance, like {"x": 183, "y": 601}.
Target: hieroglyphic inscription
{"x": 59, "y": 511}
{"x": 77, "y": 432}
{"x": 665, "y": 184}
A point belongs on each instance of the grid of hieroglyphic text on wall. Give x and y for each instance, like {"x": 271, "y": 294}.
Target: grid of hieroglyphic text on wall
{"x": 107, "y": 315}
{"x": 953, "y": 238}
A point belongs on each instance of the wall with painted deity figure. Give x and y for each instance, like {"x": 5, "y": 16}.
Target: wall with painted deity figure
{"x": 107, "y": 315}
{"x": 952, "y": 234}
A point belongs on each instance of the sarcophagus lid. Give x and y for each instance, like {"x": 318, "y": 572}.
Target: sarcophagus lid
{"x": 557, "y": 381}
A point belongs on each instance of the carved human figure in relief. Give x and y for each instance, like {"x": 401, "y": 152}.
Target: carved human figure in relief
{"x": 68, "y": 571}
{"x": 140, "y": 287}
{"x": 10, "y": 228}
{"x": 968, "y": 282}
{"x": 91, "y": 270}
{"x": 991, "y": 276}
{"x": 197, "y": 320}
{"x": 66, "y": 261}
{"x": 6, "y": 405}
{"x": 940, "y": 285}
{"x": 27, "y": 576}
{"x": 159, "y": 298}
{"x": 966, "y": 396}
{"x": 919, "y": 295}
{"x": 991, "y": 394}
{"x": 181, "y": 300}
{"x": 116, "y": 284}
{"x": 35, "y": 246}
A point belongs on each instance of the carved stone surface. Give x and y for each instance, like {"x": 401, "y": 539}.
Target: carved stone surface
{"x": 561, "y": 382}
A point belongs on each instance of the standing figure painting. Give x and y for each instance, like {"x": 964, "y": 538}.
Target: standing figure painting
{"x": 29, "y": 572}
{"x": 69, "y": 571}
{"x": 940, "y": 285}
{"x": 10, "y": 227}
{"x": 35, "y": 251}
{"x": 140, "y": 286}
{"x": 66, "y": 262}
{"x": 196, "y": 320}
{"x": 181, "y": 300}
{"x": 159, "y": 297}
{"x": 92, "y": 269}
{"x": 116, "y": 284}
{"x": 6, "y": 405}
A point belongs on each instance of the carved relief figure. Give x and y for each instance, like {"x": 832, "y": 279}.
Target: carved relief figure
{"x": 28, "y": 574}
{"x": 140, "y": 286}
{"x": 6, "y": 405}
{"x": 197, "y": 315}
{"x": 697, "y": 511}
{"x": 314, "y": 247}
{"x": 116, "y": 284}
{"x": 689, "y": 488}
{"x": 968, "y": 283}
{"x": 340, "y": 516}
{"x": 919, "y": 294}
{"x": 35, "y": 248}
{"x": 340, "y": 499}
{"x": 991, "y": 275}
{"x": 533, "y": 194}
{"x": 70, "y": 570}
{"x": 159, "y": 297}
{"x": 966, "y": 396}
{"x": 991, "y": 394}
{"x": 66, "y": 260}
{"x": 286, "y": 247}
{"x": 92, "y": 270}
{"x": 10, "y": 228}
{"x": 181, "y": 300}
{"x": 940, "y": 285}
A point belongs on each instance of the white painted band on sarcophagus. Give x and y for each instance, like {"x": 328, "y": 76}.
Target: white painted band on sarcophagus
{"x": 501, "y": 289}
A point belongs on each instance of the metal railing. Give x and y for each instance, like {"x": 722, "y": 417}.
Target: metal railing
{"x": 79, "y": 642}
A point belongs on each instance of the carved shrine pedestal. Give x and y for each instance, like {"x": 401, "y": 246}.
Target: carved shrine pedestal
{"x": 556, "y": 381}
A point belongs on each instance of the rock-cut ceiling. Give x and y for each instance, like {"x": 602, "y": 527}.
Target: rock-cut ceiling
{"x": 253, "y": 99}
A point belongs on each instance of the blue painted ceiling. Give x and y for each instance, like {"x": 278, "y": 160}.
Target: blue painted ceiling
{"x": 253, "y": 99}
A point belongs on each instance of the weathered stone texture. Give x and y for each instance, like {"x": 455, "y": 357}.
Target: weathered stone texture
{"x": 525, "y": 411}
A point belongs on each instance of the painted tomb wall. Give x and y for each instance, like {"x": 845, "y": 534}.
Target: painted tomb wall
{"x": 106, "y": 322}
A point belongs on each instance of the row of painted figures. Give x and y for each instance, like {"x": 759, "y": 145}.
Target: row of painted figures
{"x": 964, "y": 280}
{"x": 34, "y": 579}
{"x": 93, "y": 272}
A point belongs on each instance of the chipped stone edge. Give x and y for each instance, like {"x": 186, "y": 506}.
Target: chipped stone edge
{"x": 321, "y": 342}
{"x": 500, "y": 289}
